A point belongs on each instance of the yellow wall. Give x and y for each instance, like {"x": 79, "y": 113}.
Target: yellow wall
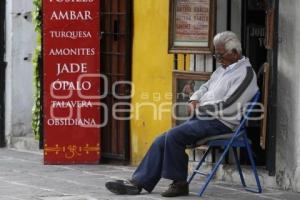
{"x": 151, "y": 74}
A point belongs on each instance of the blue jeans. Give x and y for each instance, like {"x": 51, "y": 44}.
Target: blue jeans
{"x": 166, "y": 157}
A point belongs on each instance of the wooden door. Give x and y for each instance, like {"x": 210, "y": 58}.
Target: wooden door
{"x": 116, "y": 66}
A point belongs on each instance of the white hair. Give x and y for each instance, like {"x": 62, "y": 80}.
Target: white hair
{"x": 229, "y": 40}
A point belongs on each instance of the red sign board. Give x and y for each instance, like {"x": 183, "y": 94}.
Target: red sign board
{"x": 71, "y": 81}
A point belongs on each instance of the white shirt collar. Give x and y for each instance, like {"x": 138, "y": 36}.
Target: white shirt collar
{"x": 233, "y": 65}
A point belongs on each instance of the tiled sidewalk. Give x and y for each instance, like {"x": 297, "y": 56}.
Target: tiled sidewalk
{"x": 24, "y": 177}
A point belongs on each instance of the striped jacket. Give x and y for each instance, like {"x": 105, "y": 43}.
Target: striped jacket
{"x": 226, "y": 93}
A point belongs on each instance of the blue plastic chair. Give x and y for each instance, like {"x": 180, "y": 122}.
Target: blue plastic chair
{"x": 237, "y": 139}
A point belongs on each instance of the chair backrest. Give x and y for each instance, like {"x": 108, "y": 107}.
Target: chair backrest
{"x": 247, "y": 113}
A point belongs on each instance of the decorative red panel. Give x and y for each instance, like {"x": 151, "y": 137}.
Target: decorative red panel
{"x": 71, "y": 81}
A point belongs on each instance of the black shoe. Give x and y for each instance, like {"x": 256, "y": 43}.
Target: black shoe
{"x": 123, "y": 187}
{"x": 177, "y": 189}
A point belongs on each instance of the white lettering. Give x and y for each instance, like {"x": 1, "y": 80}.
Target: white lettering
{"x": 68, "y": 85}
{"x": 72, "y": 1}
{"x": 72, "y": 104}
{"x": 73, "y": 52}
{"x": 70, "y": 34}
{"x": 71, "y": 15}
{"x": 71, "y": 122}
{"x": 71, "y": 68}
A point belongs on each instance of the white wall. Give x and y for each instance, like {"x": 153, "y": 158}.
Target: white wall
{"x": 20, "y": 43}
{"x": 288, "y": 112}
{"x": 236, "y": 17}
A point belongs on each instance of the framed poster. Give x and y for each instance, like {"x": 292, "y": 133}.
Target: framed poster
{"x": 184, "y": 85}
{"x": 191, "y": 26}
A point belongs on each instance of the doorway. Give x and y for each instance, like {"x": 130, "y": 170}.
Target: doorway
{"x": 254, "y": 36}
{"x": 116, "y": 41}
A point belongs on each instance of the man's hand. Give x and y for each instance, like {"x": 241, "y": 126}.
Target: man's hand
{"x": 192, "y": 106}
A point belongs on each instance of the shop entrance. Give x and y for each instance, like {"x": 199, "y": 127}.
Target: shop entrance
{"x": 258, "y": 40}
{"x": 253, "y": 41}
{"x": 257, "y": 26}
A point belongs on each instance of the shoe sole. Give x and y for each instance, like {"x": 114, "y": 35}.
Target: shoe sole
{"x": 175, "y": 195}
{"x": 120, "y": 188}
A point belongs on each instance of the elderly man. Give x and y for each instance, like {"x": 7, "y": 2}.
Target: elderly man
{"x": 218, "y": 107}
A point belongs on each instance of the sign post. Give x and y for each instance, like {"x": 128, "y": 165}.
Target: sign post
{"x": 71, "y": 81}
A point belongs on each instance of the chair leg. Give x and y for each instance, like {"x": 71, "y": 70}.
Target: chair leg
{"x": 238, "y": 165}
{"x": 253, "y": 166}
{"x": 198, "y": 165}
{"x": 213, "y": 171}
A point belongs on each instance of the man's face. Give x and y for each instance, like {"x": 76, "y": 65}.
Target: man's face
{"x": 225, "y": 58}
